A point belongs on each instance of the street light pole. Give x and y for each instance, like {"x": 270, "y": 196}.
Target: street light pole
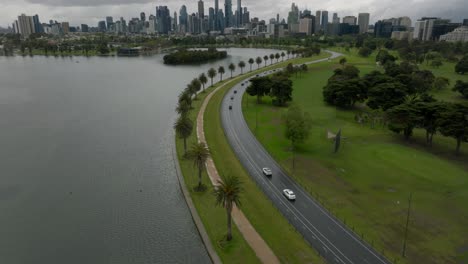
{"x": 403, "y": 254}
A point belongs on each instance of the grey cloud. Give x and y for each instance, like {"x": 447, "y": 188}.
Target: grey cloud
{"x": 87, "y": 2}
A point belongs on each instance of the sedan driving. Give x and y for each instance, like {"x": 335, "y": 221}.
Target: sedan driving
{"x": 289, "y": 194}
{"x": 267, "y": 171}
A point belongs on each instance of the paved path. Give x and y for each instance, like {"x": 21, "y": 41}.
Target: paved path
{"x": 256, "y": 242}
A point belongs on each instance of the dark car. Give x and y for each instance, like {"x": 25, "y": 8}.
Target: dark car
{"x": 235, "y": 91}
{"x": 232, "y": 97}
{"x": 230, "y": 107}
{"x": 242, "y": 84}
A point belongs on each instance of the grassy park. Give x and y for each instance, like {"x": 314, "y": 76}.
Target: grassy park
{"x": 368, "y": 182}
{"x": 283, "y": 239}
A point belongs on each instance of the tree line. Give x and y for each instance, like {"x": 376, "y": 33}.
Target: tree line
{"x": 401, "y": 93}
{"x": 186, "y": 56}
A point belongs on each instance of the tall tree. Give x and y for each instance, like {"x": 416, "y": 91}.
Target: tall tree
{"x": 343, "y": 62}
{"x": 277, "y": 56}
{"x": 203, "y": 80}
{"x": 461, "y": 87}
{"x": 184, "y": 127}
{"x": 186, "y": 95}
{"x": 386, "y": 95}
{"x": 453, "y": 122}
{"x": 289, "y": 53}
{"x": 232, "y": 67}
{"x": 462, "y": 66}
{"x": 265, "y": 59}
{"x": 251, "y": 61}
{"x": 282, "y": 56}
{"x": 211, "y": 74}
{"x": 281, "y": 90}
{"x": 228, "y": 193}
{"x": 221, "y": 71}
{"x": 241, "y": 65}
{"x": 345, "y": 93}
{"x": 297, "y": 129}
{"x": 404, "y": 118}
{"x": 429, "y": 112}
{"x": 258, "y": 61}
{"x": 259, "y": 87}
{"x": 183, "y": 108}
{"x": 440, "y": 83}
{"x": 194, "y": 87}
{"x": 199, "y": 153}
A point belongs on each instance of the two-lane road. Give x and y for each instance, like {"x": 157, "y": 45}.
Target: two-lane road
{"x": 332, "y": 239}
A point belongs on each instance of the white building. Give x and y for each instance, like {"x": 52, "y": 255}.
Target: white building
{"x": 423, "y": 29}
{"x": 401, "y": 35}
{"x": 459, "y": 34}
{"x": 363, "y": 22}
{"x": 306, "y": 26}
{"x": 25, "y": 25}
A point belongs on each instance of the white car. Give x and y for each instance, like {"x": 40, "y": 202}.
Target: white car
{"x": 289, "y": 194}
{"x": 267, "y": 171}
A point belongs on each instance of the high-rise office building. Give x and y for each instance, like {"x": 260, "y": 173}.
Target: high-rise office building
{"x": 183, "y": 19}
{"x": 363, "y": 22}
{"x": 211, "y": 19}
{"x": 324, "y": 21}
{"x": 228, "y": 13}
{"x": 25, "y": 25}
{"x": 37, "y": 24}
{"x": 465, "y": 22}
{"x": 163, "y": 19}
{"x": 109, "y": 22}
{"x": 102, "y": 26}
{"x": 239, "y": 14}
{"x": 306, "y": 25}
{"x": 65, "y": 27}
{"x": 336, "y": 19}
{"x": 293, "y": 15}
{"x": 143, "y": 16}
{"x": 201, "y": 9}
{"x": 318, "y": 17}
{"x": 84, "y": 28}
{"x": 350, "y": 20}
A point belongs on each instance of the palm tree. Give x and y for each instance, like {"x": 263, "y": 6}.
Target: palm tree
{"x": 186, "y": 96}
{"x": 203, "y": 80}
{"x": 241, "y": 66}
{"x": 184, "y": 127}
{"x": 271, "y": 58}
{"x": 221, "y": 71}
{"x": 282, "y": 56}
{"x": 211, "y": 74}
{"x": 199, "y": 153}
{"x": 182, "y": 107}
{"x": 265, "y": 59}
{"x": 228, "y": 194}
{"x": 258, "y": 61}
{"x": 195, "y": 86}
{"x": 343, "y": 62}
{"x": 251, "y": 61}
{"x": 232, "y": 67}
{"x": 277, "y": 56}
{"x": 289, "y": 53}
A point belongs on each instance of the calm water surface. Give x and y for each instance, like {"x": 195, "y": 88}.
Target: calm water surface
{"x": 87, "y": 174}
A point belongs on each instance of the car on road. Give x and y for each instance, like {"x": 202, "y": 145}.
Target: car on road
{"x": 230, "y": 107}
{"x": 267, "y": 171}
{"x": 289, "y": 194}
{"x": 232, "y": 97}
{"x": 235, "y": 91}
{"x": 242, "y": 84}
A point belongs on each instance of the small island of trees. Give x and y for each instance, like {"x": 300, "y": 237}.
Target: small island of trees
{"x": 185, "y": 56}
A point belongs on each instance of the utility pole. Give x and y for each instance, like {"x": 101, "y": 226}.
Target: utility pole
{"x": 403, "y": 253}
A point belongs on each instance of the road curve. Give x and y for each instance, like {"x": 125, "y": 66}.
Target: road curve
{"x": 334, "y": 241}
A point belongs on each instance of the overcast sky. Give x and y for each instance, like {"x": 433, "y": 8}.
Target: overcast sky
{"x": 91, "y": 11}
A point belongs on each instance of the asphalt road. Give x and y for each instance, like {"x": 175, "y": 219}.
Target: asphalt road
{"x": 335, "y": 242}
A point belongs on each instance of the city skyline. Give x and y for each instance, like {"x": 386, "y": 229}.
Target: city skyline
{"x": 75, "y": 13}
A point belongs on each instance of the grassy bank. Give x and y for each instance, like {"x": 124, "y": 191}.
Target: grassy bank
{"x": 287, "y": 244}
{"x": 368, "y": 182}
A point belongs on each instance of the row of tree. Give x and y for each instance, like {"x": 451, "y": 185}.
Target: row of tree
{"x": 401, "y": 93}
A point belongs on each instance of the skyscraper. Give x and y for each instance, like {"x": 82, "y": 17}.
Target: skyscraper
{"x": 183, "y": 19}
{"x": 142, "y": 16}
{"x": 239, "y": 14}
{"x": 163, "y": 19}
{"x": 201, "y": 9}
{"x": 228, "y": 13}
{"x": 324, "y": 22}
{"x": 318, "y": 16}
{"x": 109, "y": 22}
{"x": 336, "y": 19}
{"x": 350, "y": 20}
{"x": 363, "y": 22}
{"x": 25, "y": 25}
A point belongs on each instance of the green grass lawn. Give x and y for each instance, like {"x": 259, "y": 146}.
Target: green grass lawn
{"x": 368, "y": 182}
{"x": 286, "y": 243}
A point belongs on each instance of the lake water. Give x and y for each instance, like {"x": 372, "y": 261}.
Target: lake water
{"x": 87, "y": 174}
